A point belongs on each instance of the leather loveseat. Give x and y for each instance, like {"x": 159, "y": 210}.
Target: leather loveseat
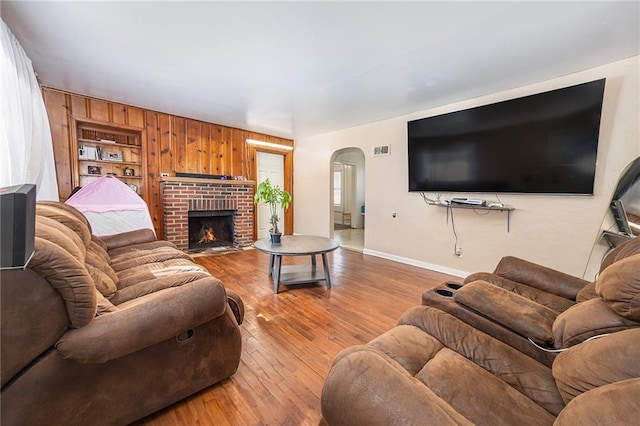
{"x": 106, "y": 331}
{"x": 435, "y": 368}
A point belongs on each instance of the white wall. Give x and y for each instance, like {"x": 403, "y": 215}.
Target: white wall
{"x": 558, "y": 231}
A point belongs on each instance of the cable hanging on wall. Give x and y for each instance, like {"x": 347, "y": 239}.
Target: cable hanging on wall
{"x": 456, "y": 250}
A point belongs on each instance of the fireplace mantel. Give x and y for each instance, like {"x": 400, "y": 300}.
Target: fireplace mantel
{"x": 210, "y": 181}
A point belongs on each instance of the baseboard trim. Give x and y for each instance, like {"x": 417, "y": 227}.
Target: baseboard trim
{"x": 413, "y": 262}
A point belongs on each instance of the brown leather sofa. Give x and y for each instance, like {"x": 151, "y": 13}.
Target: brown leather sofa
{"x": 435, "y": 368}
{"x": 535, "y": 309}
{"x": 106, "y": 331}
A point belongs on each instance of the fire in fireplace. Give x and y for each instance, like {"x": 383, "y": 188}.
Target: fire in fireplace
{"x": 211, "y": 228}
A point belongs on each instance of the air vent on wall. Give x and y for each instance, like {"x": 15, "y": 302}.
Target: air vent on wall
{"x": 381, "y": 150}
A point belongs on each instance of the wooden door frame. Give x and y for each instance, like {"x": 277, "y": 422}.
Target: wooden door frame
{"x": 288, "y": 182}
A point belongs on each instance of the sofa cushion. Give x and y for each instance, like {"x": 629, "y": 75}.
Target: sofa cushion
{"x": 624, "y": 250}
{"x": 366, "y": 387}
{"x": 69, "y": 209}
{"x": 66, "y": 218}
{"x": 97, "y": 262}
{"x": 69, "y": 276}
{"x": 605, "y": 360}
{"x": 142, "y": 285}
{"x": 99, "y": 242}
{"x": 145, "y": 257}
{"x": 612, "y": 404}
{"x": 171, "y": 266}
{"x": 99, "y": 248}
{"x": 104, "y": 276}
{"x": 122, "y": 252}
{"x": 128, "y": 239}
{"x": 619, "y": 286}
{"x": 530, "y": 377}
{"x": 104, "y": 284}
{"x": 51, "y": 230}
{"x": 471, "y": 390}
{"x": 587, "y": 319}
{"x": 408, "y": 345}
{"x": 587, "y": 293}
{"x": 540, "y": 277}
{"x": 104, "y": 305}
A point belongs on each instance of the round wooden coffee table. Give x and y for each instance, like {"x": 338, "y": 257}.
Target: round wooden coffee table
{"x": 297, "y": 245}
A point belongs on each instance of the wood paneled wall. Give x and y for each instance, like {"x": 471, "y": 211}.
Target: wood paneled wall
{"x": 170, "y": 144}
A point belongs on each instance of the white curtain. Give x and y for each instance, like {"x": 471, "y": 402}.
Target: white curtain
{"x": 26, "y": 148}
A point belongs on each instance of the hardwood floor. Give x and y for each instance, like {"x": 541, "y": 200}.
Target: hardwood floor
{"x": 290, "y": 339}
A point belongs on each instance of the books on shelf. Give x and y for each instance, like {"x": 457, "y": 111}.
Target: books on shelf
{"x": 102, "y": 154}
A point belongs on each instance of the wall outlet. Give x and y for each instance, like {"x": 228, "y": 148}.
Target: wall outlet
{"x": 458, "y": 251}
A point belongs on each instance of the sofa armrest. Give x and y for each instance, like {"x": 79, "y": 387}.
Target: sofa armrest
{"x": 515, "y": 312}
{"x": 144, "y": 322}
{"x": 551, "y": 301}
{"x": 128, "y": 238}
{"x": 540, "y": 277}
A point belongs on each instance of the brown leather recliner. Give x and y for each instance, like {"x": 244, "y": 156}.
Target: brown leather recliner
{"x": 434, "y": 368}
{"x": 535, "y": 309}
{"x": 106, "y": 331}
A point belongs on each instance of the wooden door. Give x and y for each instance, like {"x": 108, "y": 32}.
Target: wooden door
{"x": 270, "y": 166}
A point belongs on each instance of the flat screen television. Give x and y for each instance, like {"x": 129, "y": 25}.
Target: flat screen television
{"x": 545, "y": 143}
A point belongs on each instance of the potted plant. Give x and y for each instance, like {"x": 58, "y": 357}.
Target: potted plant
{"x": 274, "y": 197}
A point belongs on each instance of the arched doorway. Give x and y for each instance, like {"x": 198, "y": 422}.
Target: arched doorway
{"x": 347, "y": 199}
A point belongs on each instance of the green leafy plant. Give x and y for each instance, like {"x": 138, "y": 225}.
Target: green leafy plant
{"x": 273, "y": 196}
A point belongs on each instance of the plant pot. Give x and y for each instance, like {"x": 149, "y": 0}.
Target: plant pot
{"x": 275, "y": 238}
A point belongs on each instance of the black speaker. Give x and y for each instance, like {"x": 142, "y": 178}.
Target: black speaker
{"x": 18, "y": 225}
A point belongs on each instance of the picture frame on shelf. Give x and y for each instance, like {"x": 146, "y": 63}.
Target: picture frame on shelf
{"x": 127, "y": 171}
{"x": 114, "y": 156}
{"x": 86, "y": 153}
{"x": 94, "y": 170}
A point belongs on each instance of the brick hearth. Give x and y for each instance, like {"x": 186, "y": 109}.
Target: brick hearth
{"x": 179, "y": 195}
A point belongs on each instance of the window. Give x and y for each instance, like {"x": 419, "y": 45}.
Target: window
{"x": 337, "y": 185}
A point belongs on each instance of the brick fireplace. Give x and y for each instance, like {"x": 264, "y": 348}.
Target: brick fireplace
{"x": 206, "y": 202}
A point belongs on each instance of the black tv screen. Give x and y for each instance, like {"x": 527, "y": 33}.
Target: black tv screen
{"x": 544, "y": 143}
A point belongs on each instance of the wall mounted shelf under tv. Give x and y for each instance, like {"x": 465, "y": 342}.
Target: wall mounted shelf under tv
{"x": 487, "y": 208}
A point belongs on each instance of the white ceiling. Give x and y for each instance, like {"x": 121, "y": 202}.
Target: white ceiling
{"x": 295, "y": 69}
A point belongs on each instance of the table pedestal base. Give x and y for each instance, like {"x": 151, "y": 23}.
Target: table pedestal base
{"x": 298, "y": 274}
